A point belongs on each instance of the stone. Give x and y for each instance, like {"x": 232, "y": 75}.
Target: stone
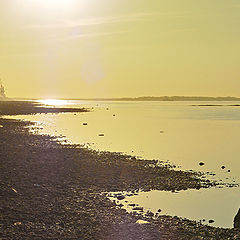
{"x": 132, "y": 204}
{"x": 138, "y": 208}
{"x": 17, "y": 223}
{"x": 236, "y": 221}
{"x": 120, "y": 197}
{"x": 142, "y": 222}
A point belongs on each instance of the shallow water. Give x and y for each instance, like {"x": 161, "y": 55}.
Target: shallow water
{"x": 175, "y": 131}
{"x": 220, "y": 205}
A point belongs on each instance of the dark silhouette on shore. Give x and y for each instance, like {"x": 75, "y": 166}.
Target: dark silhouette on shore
{"x": 236, "y": 222}
{"x": 2, "y": 91}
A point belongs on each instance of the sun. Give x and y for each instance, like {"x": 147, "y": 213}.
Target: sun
{"x": 54, "y": 4}
{"x": 58, "y": 2}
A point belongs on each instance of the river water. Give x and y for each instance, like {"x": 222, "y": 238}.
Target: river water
{"x": 177, "y": 132}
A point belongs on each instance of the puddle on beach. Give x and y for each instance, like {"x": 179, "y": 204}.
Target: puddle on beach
{"x": 220, "y": 205}
{"x": 183, "y": 134}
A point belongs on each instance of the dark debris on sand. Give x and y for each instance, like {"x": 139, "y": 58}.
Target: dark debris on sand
{"x": 54, "y": 191}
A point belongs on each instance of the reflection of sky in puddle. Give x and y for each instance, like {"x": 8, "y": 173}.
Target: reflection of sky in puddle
{"x": 183, "y": 134}
{"x": 220, "y": 205}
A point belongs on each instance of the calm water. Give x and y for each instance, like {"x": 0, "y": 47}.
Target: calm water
{"x": 171, "y": 131}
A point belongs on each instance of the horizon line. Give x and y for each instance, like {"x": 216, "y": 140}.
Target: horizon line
{"x": 143, "y": 98}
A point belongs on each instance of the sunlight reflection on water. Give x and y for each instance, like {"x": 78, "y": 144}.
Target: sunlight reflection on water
{"x": 54, "y": 102}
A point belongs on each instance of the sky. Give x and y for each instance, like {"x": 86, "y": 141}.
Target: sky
{"x": 119, "y": 48}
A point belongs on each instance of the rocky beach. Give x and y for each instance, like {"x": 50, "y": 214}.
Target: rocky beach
{"x": 51, "y": 190}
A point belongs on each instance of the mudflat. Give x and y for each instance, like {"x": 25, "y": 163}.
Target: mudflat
{"x": 50, "y": 190}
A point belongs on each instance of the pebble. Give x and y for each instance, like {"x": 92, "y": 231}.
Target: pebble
{"x": 142, "y": 222}
{"x": 120, "y": 197}
{"x": 14, "y": 190}
{"x": 201, "y": 163}
{"x": 138, "y": 208}
{"x": 17, "y": 223}
{"x": 132, "y": 204}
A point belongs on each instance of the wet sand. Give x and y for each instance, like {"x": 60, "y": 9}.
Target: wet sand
{"x": 55, "y": 191}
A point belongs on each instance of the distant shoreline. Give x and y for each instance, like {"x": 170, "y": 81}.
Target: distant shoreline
{"x": 162, "y": 98}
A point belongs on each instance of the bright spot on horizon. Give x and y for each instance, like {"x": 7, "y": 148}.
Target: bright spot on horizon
{"x": 53, "y": 102}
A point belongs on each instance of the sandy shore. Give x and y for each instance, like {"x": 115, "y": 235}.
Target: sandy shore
{"x": 54, "y": 191}
{"x": 31, "y": 107}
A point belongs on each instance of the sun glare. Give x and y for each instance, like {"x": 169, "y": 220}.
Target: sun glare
{"x": 58, "y": 3}
{"x": 54, "y": 102}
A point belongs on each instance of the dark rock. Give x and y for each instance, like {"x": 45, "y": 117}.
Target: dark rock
{"x": 236, "y": 221}
{"x": 159, "y": 210}
{"x": 85, "y": 124}
{"x": 138, "y": 208}
{"x": 201, "y": 163}
{"x": 120, "y": 197}
{"x": 223, "y": 167}
{"x": 132, "y": 204}
{"x": 211, "y": 221}
{"x": 149, "y": 214}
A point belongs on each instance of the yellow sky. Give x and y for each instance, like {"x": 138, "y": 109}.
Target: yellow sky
{"x": 119, "y": 48}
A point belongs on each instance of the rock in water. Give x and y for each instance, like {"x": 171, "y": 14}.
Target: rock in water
{"x": 120, "y": 197}
{"x": 236, "y": 221}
